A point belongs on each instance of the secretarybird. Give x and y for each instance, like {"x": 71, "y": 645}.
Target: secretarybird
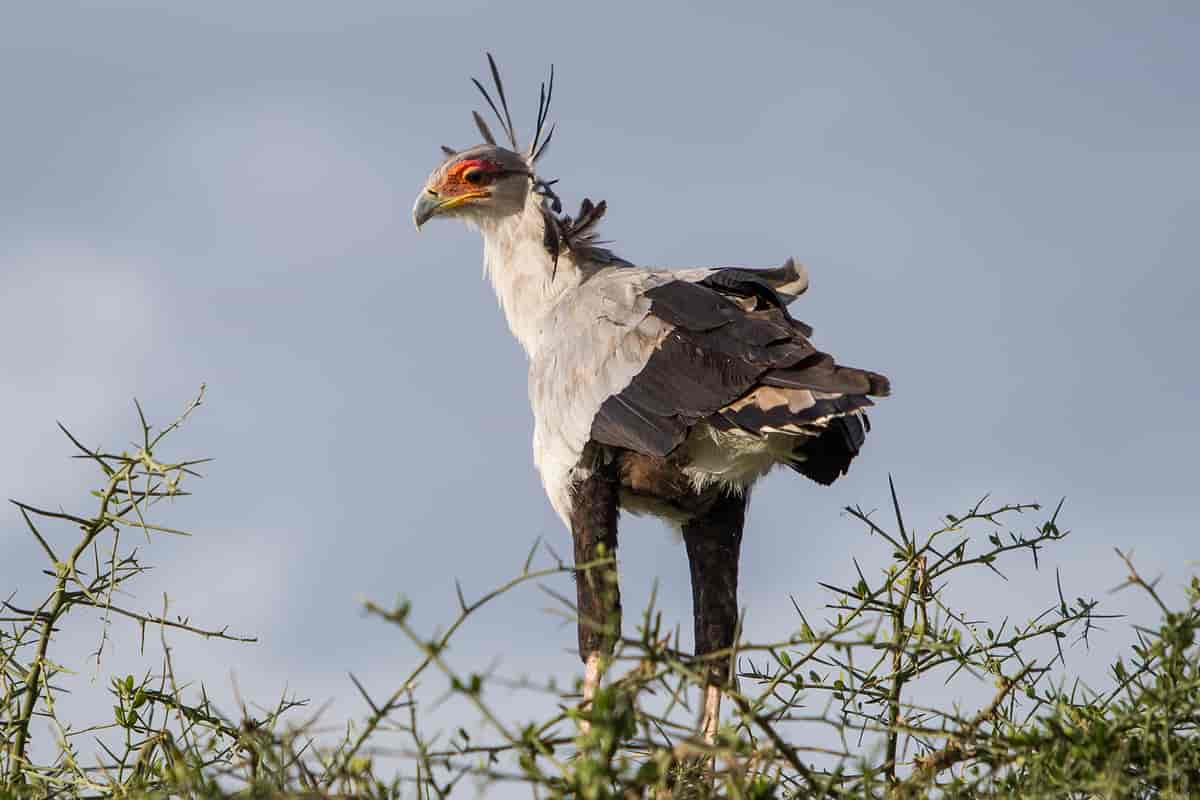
{"x": 668, "y": 392}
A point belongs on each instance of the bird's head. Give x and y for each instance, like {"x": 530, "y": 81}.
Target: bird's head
{"x": 487, "y": 181}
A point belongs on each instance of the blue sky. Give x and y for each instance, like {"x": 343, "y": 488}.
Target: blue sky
{"x": 997, "y": 207}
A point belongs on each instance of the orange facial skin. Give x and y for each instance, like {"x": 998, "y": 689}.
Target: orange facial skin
{"x": 467, "y": 176}
{"x": 462, "y": 183}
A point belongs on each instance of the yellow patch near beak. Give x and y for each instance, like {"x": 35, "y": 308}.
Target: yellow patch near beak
{"x": 457, "y": 201}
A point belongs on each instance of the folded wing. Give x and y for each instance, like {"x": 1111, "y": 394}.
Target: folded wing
{"x": 736, "y": 360}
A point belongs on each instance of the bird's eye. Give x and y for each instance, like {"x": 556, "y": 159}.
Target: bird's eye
{"x": 474, "y": 176}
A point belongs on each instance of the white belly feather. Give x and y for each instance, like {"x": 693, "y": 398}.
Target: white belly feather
{"x": 735, "y": 459}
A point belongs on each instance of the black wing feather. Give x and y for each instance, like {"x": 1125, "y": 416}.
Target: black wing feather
{"x": 717, "y": 353}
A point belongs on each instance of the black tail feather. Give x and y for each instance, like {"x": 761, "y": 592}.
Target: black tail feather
{"x": 828, "y": 456}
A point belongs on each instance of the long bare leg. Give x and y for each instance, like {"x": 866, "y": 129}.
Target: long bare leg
{"x": 714, "y": 541}
{"x": 594, "y": 530}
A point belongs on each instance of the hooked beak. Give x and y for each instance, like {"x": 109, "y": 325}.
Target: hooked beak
{"x": 430, "y": 204}
{"x": 425, "y": 207}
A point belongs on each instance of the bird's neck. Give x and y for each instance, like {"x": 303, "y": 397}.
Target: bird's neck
{"x": 527, "y": 280}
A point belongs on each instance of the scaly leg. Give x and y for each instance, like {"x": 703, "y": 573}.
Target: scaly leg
{"x": 594, "y": 530}
{"x": 714, "y": 541}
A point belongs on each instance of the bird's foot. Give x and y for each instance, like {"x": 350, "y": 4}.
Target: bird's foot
{"x": 710, "y": 716}
{"x": 591, "y": 682}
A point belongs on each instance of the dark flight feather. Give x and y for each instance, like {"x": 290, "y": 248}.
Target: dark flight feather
{"x": 741, "y": 283}
{"x": 753, "y": 417}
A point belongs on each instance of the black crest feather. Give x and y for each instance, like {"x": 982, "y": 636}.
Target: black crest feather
{"x": 541, "y": 133}
{"x": 545, "y": 95}
{"x": 504, "y": 119}
{"x": 483, "y": 128}
{"x": 508, "y": 123}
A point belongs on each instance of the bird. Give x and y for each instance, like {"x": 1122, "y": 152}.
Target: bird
{"x": 657, "y": 391}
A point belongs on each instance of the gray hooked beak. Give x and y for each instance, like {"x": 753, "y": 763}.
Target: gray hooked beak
{"x": 426, "y": 206}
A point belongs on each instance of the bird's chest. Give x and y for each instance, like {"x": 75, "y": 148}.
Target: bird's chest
{"x": 591, "y": 347}
{"x": 567, "y": 384}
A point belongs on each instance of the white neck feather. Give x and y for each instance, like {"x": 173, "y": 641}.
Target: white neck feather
{"x": 527, "y": 282}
